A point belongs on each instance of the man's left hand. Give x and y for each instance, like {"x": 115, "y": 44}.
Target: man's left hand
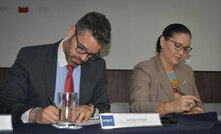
{"x": 84, "y": 113}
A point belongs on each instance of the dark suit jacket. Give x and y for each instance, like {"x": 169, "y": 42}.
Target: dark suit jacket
{"x": 32, "y": 79}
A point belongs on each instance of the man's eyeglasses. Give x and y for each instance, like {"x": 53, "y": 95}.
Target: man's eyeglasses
{"x": 81, "y": 50}
{"x": 179, "y": 46}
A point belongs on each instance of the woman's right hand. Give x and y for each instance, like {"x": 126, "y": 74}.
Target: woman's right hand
{"x": 184, "y": 103}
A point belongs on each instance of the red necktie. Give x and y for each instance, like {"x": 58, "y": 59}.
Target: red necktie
{"x": 69, "y": 85}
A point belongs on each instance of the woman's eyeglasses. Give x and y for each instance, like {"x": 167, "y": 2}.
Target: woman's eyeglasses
{"x": 179, "y": 46}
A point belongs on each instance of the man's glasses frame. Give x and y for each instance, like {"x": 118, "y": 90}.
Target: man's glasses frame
{"x": 179, "y": 46}
{"x": 81, "y": 50}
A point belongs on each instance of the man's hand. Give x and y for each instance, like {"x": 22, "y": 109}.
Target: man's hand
{"x": 84, "y": 113}
{"x": 47, "y": 115}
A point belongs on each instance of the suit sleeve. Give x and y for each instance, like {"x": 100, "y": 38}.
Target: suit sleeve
{"x": 14, "y": 89}
{"x": 140, "y": 91}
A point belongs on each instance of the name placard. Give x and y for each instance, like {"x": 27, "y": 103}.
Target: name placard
{"x": 119, "y": 120}
{"x": 6, "y": 123}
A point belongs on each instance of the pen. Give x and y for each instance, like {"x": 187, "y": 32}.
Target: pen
{"x": 183, "y": 93}
{"x": 52, "y": 102}
{"x": 187, "y": 104}
{"x": 179, "y": 91}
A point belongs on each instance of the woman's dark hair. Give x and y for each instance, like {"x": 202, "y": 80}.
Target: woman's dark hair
{"x": 170, "y": 30}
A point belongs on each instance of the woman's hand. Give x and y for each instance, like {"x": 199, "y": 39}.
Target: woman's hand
{"x": 184, "y": 103}
{"x": 195, "y": 110}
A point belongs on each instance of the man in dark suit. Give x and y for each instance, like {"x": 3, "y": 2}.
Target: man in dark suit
{"x": 39, "y": 72}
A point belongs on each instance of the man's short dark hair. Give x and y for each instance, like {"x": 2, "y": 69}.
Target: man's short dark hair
{"x": 98, "y": 25}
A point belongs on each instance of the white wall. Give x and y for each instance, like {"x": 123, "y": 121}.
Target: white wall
{"x": 136, "y": 25}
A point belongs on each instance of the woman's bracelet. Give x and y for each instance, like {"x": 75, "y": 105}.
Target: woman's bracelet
{"x": 164, "y": 107}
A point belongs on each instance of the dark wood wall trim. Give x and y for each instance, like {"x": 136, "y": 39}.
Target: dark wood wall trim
{"x": 208, "y": 84}
{"x": 118, "y": 82}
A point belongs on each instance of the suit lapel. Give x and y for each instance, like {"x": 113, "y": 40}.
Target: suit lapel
{"x": 180, "y": 77}
{"x": 85, "y": 83}
{"x": 83, "y": 86}
{"x": 50, "y": 69}
{"x": 163, "y": 79}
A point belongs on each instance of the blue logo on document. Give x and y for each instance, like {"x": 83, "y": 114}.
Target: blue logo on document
{"x": 107, "y": 120}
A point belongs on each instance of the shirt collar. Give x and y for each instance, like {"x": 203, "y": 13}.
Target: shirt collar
{"x": 61, "y": 56}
